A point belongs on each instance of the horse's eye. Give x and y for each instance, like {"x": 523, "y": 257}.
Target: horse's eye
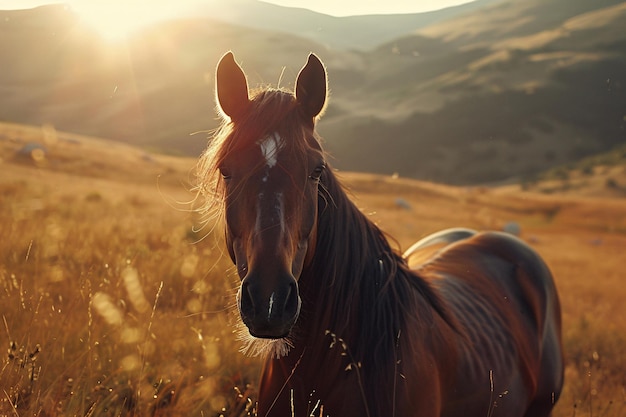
{"x": 317, "y": 172}
{"x": 226, "y": 175}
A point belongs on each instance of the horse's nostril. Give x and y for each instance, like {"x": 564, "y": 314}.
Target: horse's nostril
{"x": 292, "y": 303}
{"x": 246, "y": 300}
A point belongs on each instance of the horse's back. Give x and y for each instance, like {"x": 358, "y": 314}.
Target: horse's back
{"x": 503, "y": 296}
{"x": 429, "y": 246}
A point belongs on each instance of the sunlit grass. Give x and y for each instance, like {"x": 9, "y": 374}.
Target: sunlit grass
{"x": 109, "y": 305}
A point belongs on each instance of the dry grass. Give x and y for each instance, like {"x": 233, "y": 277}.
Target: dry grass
{"x": 109, "y": 304}
{"x": 112, "y": 306}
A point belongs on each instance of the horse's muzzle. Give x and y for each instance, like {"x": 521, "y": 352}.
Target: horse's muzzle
{"x": 269, "y": 316}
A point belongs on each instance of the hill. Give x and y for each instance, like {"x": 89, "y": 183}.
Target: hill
{"x": 155, "y": 90}
{"x": 516, "y": 88}
{"x": 47, "y": 150}
{"x": 359, "y": 33}
{"x": 501, "y": 92}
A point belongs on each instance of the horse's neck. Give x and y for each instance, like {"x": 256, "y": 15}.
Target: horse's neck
{"x": 362, "y": 307}
{"x": 357, "y": 286}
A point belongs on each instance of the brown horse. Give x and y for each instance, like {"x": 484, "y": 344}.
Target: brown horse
{"x": 348, "y": 328}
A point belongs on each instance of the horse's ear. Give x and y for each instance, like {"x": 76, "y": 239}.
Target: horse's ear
{"x": 231, "y": 87}
{"x": 311, "y": 87}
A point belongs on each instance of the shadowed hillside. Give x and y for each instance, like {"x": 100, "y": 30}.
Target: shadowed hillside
{"x": 500, "y": 92}
{"x": 493, "y": 89}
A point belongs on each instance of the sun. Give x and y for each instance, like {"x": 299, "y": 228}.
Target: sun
{"x": 114, "y": 20}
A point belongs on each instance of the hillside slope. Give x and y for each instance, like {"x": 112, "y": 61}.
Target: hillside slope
{"x": 486, "y": 98}
{"x": 499, "y": 93}
{"x": 348, "y": 33}
{"x": 155, "y": 90}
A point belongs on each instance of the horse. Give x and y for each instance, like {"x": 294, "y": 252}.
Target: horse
{"x": 348, "y": 325}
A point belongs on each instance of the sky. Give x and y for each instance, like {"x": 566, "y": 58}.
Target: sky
{"x": 331, "y": 7}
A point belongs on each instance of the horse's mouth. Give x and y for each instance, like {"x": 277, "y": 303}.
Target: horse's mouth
{"x": 268, "y": 336}
{"x": 269, "y": 332}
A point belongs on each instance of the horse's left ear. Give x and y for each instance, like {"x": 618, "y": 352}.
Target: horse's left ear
{"x": 231, "y": 87}
{"x": 311, "y": 87}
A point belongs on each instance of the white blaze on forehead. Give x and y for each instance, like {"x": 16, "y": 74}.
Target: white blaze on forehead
{"x": 270, "y": 147}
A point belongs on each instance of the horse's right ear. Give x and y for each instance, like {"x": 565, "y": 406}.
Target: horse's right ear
{"x": 311, "y": 88}
{"x": 231, "y": 87}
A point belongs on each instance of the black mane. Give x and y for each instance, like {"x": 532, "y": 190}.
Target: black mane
{"x": 365, "y": 292}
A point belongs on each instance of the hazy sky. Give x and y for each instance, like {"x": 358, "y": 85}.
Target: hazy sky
{"x": 332, "y": 7}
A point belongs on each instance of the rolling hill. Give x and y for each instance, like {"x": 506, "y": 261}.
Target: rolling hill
{"x": 514, "y": 102}
{"x": 154, "y": 90}
{"x": 501, "y": 91}
{"x": 347, "y": 33}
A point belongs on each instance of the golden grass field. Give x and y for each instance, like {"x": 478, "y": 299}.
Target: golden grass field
{"x": 113, "y": 303}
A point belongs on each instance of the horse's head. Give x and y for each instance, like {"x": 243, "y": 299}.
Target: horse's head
{"x": 271, "y": 163}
